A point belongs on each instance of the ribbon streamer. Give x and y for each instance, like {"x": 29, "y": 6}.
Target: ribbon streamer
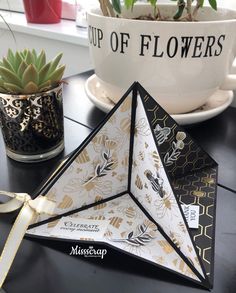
{"x": 30, "y": 209}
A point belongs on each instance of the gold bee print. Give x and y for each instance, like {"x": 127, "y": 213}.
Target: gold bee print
{"x": 160, "y": 260}
{"x": 141, "y": 156}
{"x": 108, "y": 234}
{"x": 101, "y": 205}
{"x": 156, "y": 159}
{"x": 181, "y": 265}
{"x": 138, "y": 182}
{"x": 83, "y": 157}
{"x": 125, "y": 125}
{"x": 66, "y": 202}
{"x": 135, "y": 163}
{"x": 52, "y": 194}
{"x": 148, "y": 198}
{"x": 97, "y": 217}
{"x": 167, "y": 248}
{"x": 79, "y": 170}
{"x": 123, "y": 234}
{"x": 182, "y": 227}
{"x": 166, "y": 206}
{"x": 116, "y": 222}
{"x": 126, "y": 105}
{"x": 52, "y": 224}
{"x": 125, "y": 161}
{"x": 130, "y": 212}
{"x": 121, "y": 177}
{"x": 176, "y": 238}
{"x": 112, "y": 119}
{"x": 190, "y": 249}
{"x": 86, "y": 239}
{"x": 142, "y": 128}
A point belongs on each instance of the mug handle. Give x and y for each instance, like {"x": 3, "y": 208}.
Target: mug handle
{"x": 230, "y": 81}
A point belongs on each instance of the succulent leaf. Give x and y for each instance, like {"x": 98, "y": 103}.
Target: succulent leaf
{"x": 3, "y": 90}
{"x": 34, "y": 54}
{"x": 43, "y": 72}
{"x": 18, "y": 61}
{"x": 1, "y": 82}
{"x": 57, "y": 74}
{"x": 10, "y": 56}
{"x": 54, "y": 63}
{"x": 29, "y": 59}
{"x": 9, "y": 76}
{"x": 45, "y": 85}
{"x": 7, "y": 64}
{"x": 41, "y": 60}
{"x": 30, "y": 74}
{"x": 22, "y": 68}
{"x": 27, "y": 72}
{"x": 13, "y": 88}
{"x": 30, "y": 88}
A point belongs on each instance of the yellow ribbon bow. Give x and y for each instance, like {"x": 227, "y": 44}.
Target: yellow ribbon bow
{"x": 30, "y": 209}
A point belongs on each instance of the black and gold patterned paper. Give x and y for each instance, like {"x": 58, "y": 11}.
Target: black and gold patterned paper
{"x": 135, "y": 171}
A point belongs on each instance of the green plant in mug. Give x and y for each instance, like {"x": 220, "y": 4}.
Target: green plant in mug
{"x": 26, "y": 72}
{"x": 112, "y": 8}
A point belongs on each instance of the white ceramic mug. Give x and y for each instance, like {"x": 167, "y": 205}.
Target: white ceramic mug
{"x": 181, "y": 64}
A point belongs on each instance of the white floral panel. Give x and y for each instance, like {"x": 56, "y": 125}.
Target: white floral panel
{"x": 150, "y": 185}
{"x": 129, "y": 230}
{"x": 100, "y": 170}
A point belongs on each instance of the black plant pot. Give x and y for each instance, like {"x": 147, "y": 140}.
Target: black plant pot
{"x": 32, "y": 125}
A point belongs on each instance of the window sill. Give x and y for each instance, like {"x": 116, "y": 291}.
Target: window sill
{"x": 65, "y": 31}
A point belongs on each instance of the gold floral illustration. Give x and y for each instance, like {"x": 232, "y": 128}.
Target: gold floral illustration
{"x": 177, "y": 146}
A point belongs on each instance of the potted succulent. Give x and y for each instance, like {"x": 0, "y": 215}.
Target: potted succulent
{"x": 31, "y": 109}
{"x": 181, "y": 52}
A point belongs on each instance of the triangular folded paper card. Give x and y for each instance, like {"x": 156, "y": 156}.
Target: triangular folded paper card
{"x": 135, "y": 171}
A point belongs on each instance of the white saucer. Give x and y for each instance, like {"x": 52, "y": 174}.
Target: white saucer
{"x": 215, "y": 105}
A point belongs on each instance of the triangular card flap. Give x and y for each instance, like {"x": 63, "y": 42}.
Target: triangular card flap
{"x": 98, "y": 168}
{"x": 129, "y": 230}
{"x": 185, "y": 161}
{"x": 200, "y": 189}
{"x": 181, "y": 154}
{"x": 151, "y": 186}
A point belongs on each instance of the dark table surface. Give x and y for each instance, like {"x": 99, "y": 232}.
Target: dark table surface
{"x": 45, "y": 266}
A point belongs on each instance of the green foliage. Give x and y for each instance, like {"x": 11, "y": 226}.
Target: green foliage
{"x": 181, "y": 6}
{"x": 27, "y": 72}
{"x": 213, "y": 3}
{"x": 116, "y": 5}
